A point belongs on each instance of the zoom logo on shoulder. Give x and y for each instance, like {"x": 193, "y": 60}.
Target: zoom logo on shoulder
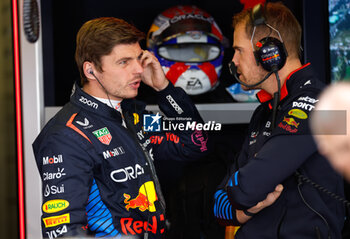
{"x": 152, "y": 122}
{"x": 88, "y": 102}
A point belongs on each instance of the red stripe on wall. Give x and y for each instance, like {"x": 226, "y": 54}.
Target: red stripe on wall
{"x": 18, "y": 110}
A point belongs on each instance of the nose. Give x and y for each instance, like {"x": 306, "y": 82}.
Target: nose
{"x": 138, "y": 67}
{"x": 235, "y": 59}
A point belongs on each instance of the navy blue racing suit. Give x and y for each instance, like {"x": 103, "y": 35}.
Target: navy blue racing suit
{"x": 96, "y": 174}
{"x": 273, "y": 156}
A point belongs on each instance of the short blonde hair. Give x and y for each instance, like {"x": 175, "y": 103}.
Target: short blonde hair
{"x": 279, "y": 17}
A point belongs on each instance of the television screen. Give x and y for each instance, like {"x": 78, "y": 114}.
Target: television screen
{"x": 339, "y": 41}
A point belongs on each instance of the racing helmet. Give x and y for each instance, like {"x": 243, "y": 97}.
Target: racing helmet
{"x": 188, "y": 44}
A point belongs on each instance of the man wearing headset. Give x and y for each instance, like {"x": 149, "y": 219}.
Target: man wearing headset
{"x": 95, "y": 157}
{"x": 279, "y": 148}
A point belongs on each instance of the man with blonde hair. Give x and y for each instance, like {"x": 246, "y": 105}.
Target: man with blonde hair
{"x": 279, "y": 148}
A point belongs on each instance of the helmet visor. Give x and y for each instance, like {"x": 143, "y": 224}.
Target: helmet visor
{"x": 190, "y": 52}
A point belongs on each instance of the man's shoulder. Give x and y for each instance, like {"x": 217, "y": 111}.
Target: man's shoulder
{"x": 309, "y": 84}
{"x": 306, "y": 87}
{"x": 63, "y": 115}
{"x": 57, "y": 125}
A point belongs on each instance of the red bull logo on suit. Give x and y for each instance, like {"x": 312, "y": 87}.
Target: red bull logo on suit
{"x": 289, "y": 124}
{"x": 133, "y": 227}
{"x": 144, "y": 200}
{"x": 291, "y": 121}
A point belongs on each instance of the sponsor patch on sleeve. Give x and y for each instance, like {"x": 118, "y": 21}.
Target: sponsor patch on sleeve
{"x": 305, "y": 102}
{"x": 58, "y": 232}
{"x": 296, "y": 118}
{"x": 103, "y": 135}
{"x": 293, "y": 121}
{"x": 56, "y": 220}
{"x": 55, "y": 205}
{"x": 298, "y": 113}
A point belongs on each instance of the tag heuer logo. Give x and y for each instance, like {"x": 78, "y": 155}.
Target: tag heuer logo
{"x": 103, "y": 135}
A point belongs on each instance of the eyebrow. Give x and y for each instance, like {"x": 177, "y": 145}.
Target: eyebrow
{"x": 236, "y": 47}
{"x": 130, "y": 58}
{"x": 124, "y": 59}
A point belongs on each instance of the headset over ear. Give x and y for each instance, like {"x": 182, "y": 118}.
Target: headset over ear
{"x": 270, "y": 52}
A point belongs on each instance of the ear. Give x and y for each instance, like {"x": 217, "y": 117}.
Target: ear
{"x": 88, "y": 68}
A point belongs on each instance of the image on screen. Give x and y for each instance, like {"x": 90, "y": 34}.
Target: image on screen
{"x": 339, "y": 45}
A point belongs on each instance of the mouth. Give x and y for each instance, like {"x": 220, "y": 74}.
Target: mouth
{"x": 135, "y": 84}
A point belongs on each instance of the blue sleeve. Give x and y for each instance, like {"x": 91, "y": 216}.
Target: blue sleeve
{"x": 223, "y": 211}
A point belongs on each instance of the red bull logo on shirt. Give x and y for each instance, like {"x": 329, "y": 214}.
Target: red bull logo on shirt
{"x": 144, "y": 200}
{"x": 289, "y": 124}
{"x": 291, "y": 121}
{"x": 130, "y": 226}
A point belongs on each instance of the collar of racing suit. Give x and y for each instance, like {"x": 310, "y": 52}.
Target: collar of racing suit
{"x": 287, "y": 86}
{"x": 89, "y": 103}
